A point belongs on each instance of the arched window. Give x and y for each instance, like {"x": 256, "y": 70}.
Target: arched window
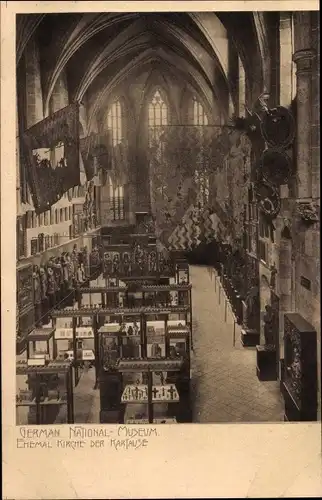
{"x": 201, "y": 177}
{"x": 157, "y": 115}
{"x": 115, "y": 127}
{"x": 114, "y": 122}
{"x": 199, "y": 115}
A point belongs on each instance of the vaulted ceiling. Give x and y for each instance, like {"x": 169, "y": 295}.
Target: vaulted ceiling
{"x": 100, "y": 50}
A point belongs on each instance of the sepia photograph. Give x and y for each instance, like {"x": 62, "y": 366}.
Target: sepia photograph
{"x": 168, "y": 217}
{"x": 160, "y": 249}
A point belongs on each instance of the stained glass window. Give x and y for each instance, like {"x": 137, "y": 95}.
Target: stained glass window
{"x": 114, "y": 122}
{"x": 199, "y": 115}
{"x": 157, "y": 115}
{"x": 115, "y": 126}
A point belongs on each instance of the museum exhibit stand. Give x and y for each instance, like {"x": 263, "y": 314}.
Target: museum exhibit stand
{"x": 75, "y": 339}
{"x": 266, "y": 362}
{"x": 141, "y": 360}
{"x": 40, "y": 346}
{"x": 300, "y": 369}
{"x": 146, "y": 390}
{"x": 44, "y": 394}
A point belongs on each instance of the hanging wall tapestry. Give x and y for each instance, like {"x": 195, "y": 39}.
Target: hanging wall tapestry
{"x": 96, "y": 150}
{"x": 199, "y": 181}
{"x": 51, "y": 155}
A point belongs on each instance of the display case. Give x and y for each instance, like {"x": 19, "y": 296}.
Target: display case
{"x": 44, "y": 394}
{"x": 84, "y": 345}
{"x": 178, "y": 339}
{"x": 110, "y": 380}
{"x": 41, "y": 346}
{"x": 182, "y": 271}
{"x": 110, "y": 342}
{"x": 147, "y": 395}
{"x": 76, "y": 339}
{"x": 155, "y": 339}
{"x": 63, "y": 337}
{"x": 300, "y": 369}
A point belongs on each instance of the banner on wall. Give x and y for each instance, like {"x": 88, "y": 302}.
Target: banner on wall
{"x": 187, "y": 164}
{"x": 51, "y": 156}
{"x": 96, "y": 153}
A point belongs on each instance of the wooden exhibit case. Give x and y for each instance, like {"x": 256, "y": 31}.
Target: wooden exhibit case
{"x": 143, "y": 391}
{"x": 41, "y": 346}
{"x": 127, "y": 370}
{"x": 76, "y": 339}
{"x": 44, "y": 394}
{"x": 300, "y": 369}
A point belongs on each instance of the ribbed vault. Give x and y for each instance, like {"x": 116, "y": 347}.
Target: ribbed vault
{"x": 100, "y": 50}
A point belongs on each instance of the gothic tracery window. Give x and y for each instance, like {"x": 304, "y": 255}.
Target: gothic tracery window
{"x": 157, "y": 115}
{"x": 115, "y": 126}
{"x": 201, "y": 177}
{"x": 199, "y": 115}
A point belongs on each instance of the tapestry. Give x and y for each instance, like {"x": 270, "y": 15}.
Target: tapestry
{"x": 51, "y": 156}
{"x": 199, "y": 184}
{"x": 96, "y": 151}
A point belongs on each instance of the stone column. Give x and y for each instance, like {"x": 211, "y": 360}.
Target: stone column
{"x": 303, "y": 58}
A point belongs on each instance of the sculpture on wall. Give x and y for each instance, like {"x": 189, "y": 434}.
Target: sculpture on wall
{"x": 138, "y": 258}
{"x": 308, "y": 212}
{"x": 152, "y": 262}
{"x": 126, "y": 263}
{"x": 269, "y": 201}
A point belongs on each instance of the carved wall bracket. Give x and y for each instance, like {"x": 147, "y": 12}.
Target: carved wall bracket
{"x": 308, "y": 212}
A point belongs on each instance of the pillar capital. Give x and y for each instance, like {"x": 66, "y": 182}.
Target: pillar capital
{"x": 303, "y": 60}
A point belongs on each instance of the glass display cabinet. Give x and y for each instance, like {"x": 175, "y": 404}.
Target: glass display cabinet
{"x": 131, "y": 339}
{"x": 41, "y": 346}
{"x": 155, "y": 339}
{"x": 110, "y": 342}
{"x": 44, "y": 394}
{"x": 63, "y": 338}
{"x": 84, "y": 345}
{"x": 147, "y": 395}
{"x": 76, "y": 338}
{"x": 182, "y": 272}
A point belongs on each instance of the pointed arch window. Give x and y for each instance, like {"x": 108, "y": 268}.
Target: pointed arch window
{"x": 115, "y": 126}
{"x": 158, "y": 115}
{"x": 199, "y": 114}
{"x": 201, "y": 177}
{"x": 114, "y": 122}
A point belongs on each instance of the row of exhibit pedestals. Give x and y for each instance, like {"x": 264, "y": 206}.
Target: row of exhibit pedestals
{"x": 141, "y": 358}
{"x": 297, "y": 371}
